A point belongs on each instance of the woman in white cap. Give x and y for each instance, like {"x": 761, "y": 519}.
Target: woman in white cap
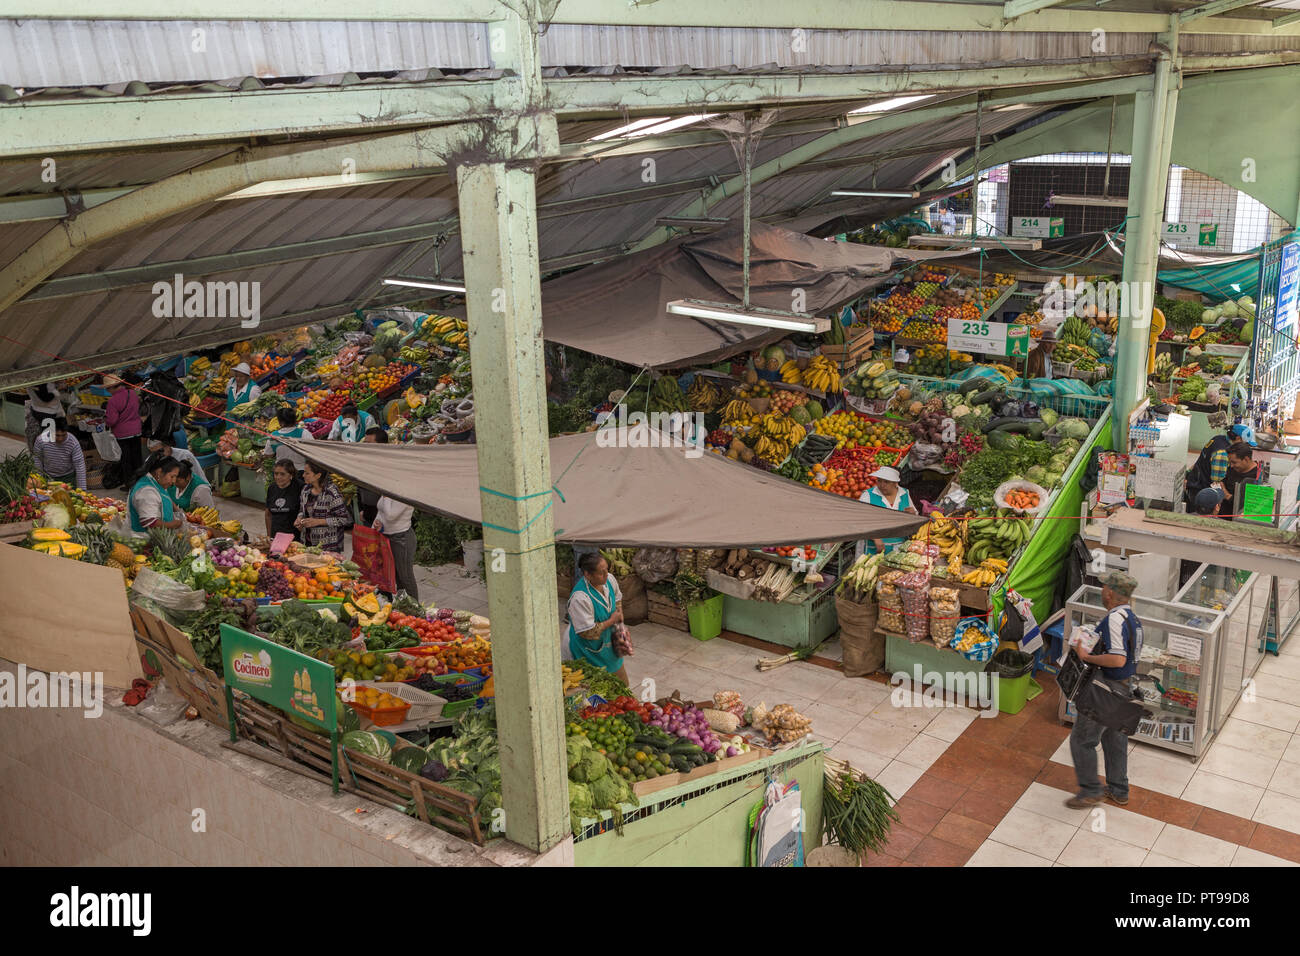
{"x": 886, "y": 493}
{"x": 241, "y": 388}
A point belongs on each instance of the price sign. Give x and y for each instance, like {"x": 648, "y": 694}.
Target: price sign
{"x": 988, "y": 338}
{"x": 1176, "y": 230}
{"x": 1038, "y": 227}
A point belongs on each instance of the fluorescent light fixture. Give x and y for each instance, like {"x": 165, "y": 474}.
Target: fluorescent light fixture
{"x": 884, "y": 106}
{"x": 979, "y": 242}
{"x": 1013, "y": 106}
{"x": 878, "y": 193}
{"x": 652, "y": 126}
{"x": 767, "y": 318}
{"x": 425, "y": 284}
{"x": 689, "y": 221}
{"x": 1120, "y": 202}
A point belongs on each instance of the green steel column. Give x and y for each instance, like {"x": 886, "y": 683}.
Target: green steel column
{"x": 498, "y": 209}
{"x": 1153, "y": 118}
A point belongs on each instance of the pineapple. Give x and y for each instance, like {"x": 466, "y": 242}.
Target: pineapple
{"x": 123, "y": 555}
{"x": 98, "y": 543}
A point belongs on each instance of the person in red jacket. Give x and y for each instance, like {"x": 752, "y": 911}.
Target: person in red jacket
{"x": 122, "y": 412}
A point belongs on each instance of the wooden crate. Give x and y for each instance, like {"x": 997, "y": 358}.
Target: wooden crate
{"x": 661, "y": 609}
{"x": 433, "y": 803}
{"x": 852, "y": 351}
{"x": 180, "y": 665}
{"x": 968, "y": 594}
{"x": 15, "y": 531}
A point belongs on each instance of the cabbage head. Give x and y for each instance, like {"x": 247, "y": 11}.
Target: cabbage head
{"x": 611, "y": 790}
{"x": 574, "y": 747}
{"x": 590, "y": 768}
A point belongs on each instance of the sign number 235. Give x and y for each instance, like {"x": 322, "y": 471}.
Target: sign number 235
{"x": 974, "y": 328}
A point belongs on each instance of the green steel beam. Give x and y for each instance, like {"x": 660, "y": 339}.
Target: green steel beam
{"x": 1212, "y": 9}
{"x": 1018, "y": 8}
{"x": 832, "y": 15}
{"x": 805, "y": 153}
{"x": 1286, "y": 21}
{"x": 242, "y": 168}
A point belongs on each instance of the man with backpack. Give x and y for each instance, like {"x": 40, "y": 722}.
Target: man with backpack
{"x": 1116, "y": 655}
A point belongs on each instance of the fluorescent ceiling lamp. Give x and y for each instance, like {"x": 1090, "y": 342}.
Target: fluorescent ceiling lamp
{"x": 1120, "y": 202}
{"x": 884, "y": 106}
{"x": 766, "y": 318}
{"x": 690, "y": 221}
{"x": 425, "y": 284}
{"x": 652, "y": 126}
{"x": 1013, "y": 106}
{"x": 878, "y": 193}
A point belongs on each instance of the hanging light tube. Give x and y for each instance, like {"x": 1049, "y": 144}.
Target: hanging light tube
{"x": 766, "y": 318}
{"x": 425, "y": 284}
{"x": 1118, "y": 202}
{"x": 878, "y": 193}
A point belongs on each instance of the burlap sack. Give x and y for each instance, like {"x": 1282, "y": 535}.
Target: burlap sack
{"x": 634, "y": 604}
{"x": 864, "y": 649}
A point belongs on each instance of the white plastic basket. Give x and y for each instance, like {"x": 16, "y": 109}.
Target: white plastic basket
{"x": 424, "y": 706}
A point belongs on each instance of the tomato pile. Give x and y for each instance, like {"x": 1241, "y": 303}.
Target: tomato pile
{"x": 619, "y": 705}
{"x": 431, "y": 632}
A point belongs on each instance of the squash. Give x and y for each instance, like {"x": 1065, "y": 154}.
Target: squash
{"x": 1196, "y": 333}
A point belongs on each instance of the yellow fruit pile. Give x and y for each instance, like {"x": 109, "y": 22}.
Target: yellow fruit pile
{"x": 990, "y": 570}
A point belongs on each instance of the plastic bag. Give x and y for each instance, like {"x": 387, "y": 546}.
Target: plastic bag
{"x": 166, "y": 592}
{"x": 653, "y": 565}
{"x": 1010, "y": 663}
{"x": 944, "y": 613}
{"x": 374, "y": 556}
{"x": 974, "y": 639}
{"x": 107, "y": 446}
{"x": 924, "y": 455}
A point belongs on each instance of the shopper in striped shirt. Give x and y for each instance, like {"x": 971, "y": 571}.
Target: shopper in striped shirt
{"x": 60, "y": 459}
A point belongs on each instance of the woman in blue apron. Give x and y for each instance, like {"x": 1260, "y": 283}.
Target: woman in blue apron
{"x": 886, "y": 493}
{"x": 191, "y": 489}
{"x": 593, "y": 613}
{"x": 351, "y": 425}
{"x": 150, "y": 503}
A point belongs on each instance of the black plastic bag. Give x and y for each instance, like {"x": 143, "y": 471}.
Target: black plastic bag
{"x": 1010, "y": 663}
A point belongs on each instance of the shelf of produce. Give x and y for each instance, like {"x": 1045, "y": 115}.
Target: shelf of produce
{"x": 791, "y": 625}
{"x": 906, "y": 343}
{"x": 904, "y": 657}
{"x": 824, "y": 554}
{"x": 969, "y": 595}
{"x": 1000, "y": 301}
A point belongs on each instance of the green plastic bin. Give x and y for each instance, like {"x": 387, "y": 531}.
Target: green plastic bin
{"x": 705, "y": 618}
{"x": 1013, "y": 692}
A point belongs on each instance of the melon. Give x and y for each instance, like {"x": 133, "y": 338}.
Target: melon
{"x": 774, "y": 354}
{"x": 800, "y": 414}
{"x": 814, "y": 410}
{"x": 375, "y": 361}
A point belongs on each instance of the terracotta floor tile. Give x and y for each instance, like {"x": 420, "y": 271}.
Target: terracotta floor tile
{"x": 985, "y": 807}
{"x": 994, "y": 731}
{"x": 902, "y": 841}
{"x": 962, "y": 831}
{"x": 1225, "y": 826}
{"x": 1283, "y": 843}
{"x": 960, "y": 770}
{"x": 936, "y": 791}
{"x": 1163, "y": 807}
{"x": 933, "y": 852}
{"x": 1002, "y": 780}
{"x": 1038, "y": 741}
{"x": 964, "y": 746}
{"x": 1058, "y": 775}
{"x": 917, "y": 816}
{"x": 879, "y": 859}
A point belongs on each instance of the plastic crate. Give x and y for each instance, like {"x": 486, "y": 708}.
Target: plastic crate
{"x": 382, "y": 716}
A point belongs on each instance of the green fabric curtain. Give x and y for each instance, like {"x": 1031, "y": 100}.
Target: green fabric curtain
{"x": 1217, "y": 281}
{"x": 1035, "y": 573}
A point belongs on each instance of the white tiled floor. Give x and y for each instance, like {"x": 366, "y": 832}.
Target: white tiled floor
{"x": 1041, "y": 831}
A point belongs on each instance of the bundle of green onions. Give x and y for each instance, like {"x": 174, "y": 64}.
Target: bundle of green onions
{"x": 857, "y": 812}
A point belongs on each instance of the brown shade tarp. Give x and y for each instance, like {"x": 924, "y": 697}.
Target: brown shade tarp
{"x": 628, "y": 496}
{"x": 618, "y": 308}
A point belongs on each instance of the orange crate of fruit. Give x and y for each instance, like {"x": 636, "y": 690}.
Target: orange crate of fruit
{"x": 382, "y": 714}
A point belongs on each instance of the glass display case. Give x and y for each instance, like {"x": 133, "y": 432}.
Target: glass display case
{"x": 1180, "y": 652}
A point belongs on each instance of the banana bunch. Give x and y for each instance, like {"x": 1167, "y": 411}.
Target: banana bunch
{"x": 414, "y": 355}
{"x": 945, "y": 534}
{"x": 570, "y": 678}
{"x": 775, "y": 450}
{"x": 1007, "y": 371}
{"x": 206, "y": 516}
{"x": 737, "y": 411}
{"x": 667, "y": 396}
{"x": 1164, "y": 367}
{"x": 703, "y": 395}
{"x": 989, "y": 571}
{"x": 201, "y": 364}
{"x": 822, "y": 375}
{"x": 790, "y": 373}
{"x": 231, "y": 527}
{"x": 954, "y": 564}
{"x": 997, "y": 537}
{"x": 782, "y": 429}
{"x": 1112, "y": 326}
{"x": 1073, "y": 332}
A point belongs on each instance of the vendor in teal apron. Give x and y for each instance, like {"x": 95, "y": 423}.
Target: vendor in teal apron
{"x": 191, "y": 489}
{"x": 593, "y": 613}
{"x": 886, "y": 493}
{"x": 289, "y": 428}
{"x": 150, "y": 504}
{"x": 351, "y": 425}
{"x": 241, "y": 388}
